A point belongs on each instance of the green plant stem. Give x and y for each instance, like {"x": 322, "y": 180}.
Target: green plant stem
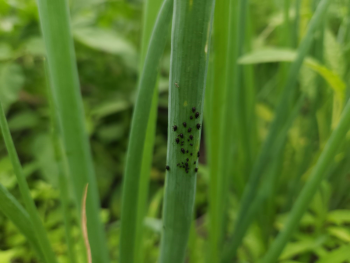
{"x": 310, "y": 188}
{"x": 63, "y": 171}
{"x": 138, "y": 133}
{"x": 213, "y": 118}
{"x": 280, "y": 116}
{"x": 151, "y": 10}
{"x": 20, "y": 218}
{"x": 55, "y": 25}
{"x": 239, "y": 232}
{"x": 25, "y": 192}
{"x": 190, "y": 47}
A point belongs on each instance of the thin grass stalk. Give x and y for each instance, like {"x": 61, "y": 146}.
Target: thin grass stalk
{"x": 280, "y": 116}
{"x": 13, "y": 210}
{"x": 237, "y": 93}
{"x": 213, "y": 118}
{"x": 311, "y": 187}
{"x": 239, "y": 232}
{"x": 25, "y": 192}
{"x": 228, "y": 127}
{"x": 63, "y": 171}
{"x": 63, "y": 75}
{"x": 140, "y": 122}
{"x": 63, "y": 184}
{"x": 190, "y": 46}
{"x": 151, "y": 10}
{"x": 295, "y": 37}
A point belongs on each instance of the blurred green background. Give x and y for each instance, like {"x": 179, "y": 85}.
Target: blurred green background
{"x": 107, "y": 38}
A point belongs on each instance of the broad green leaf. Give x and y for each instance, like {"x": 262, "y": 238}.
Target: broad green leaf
{"x": 339, "y": 232}
{"x": 108, "y": 41}
{"x": 299, "y": 247}
{"x": 339, "y": 255}
{"x": 339, "y": 216}
{"x": 270, "y": 55}
{"x": 11, "y": 82}
{"x": 5, "y": 51}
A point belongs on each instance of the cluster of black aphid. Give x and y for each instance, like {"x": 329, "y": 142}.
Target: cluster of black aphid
{"x": 181, "y": 140}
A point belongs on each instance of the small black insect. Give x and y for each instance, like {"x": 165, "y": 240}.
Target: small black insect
{"x": 190, "y": 129}
{"x": 177, "y": 140}
{"x": 197, "y": 114}
{"x": 191, "y": 154}
{"x": 187, "y": 159}
{"x": 167, "y": 167}
{"x": 198, "y": 154}
{"x": 198, "y": 126}
{"x": 174, "y": 127}
{"x": 182, "y": 150}
{"x": 191, "y": 117}
{"x": 193, "y": 109}
{"x": 181, "y": 135}
{"x": 187, "y": 151}
{"x": 185, "y": 124}
{"x": 178, "y": 164}
{"x": 194, "y": 162}
{"x": 191, "y": 137}
{"x": 191, "y": 144}
{"x": 196, "y": 169}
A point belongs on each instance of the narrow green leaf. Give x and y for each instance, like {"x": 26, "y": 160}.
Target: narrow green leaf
{"x": 140, "y": 121}
{"x": 25, "y": 192}
{"x": 280, "y": 117}
{"x": 55, "y": 25}
{"x": 190, "y": 45}
{"x": 311, "y": 187}
{"x": 20, "y": 218}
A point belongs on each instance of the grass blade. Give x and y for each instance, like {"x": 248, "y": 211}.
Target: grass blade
{"x": 138, "y": 133}
{"x": 54, "y": 18}
{"x": 214, "y": 107}
{"x": 281, "y": 114}
{"x": 310, "y": 188}
{"x": 25, "y": 192}
{"x": 151, "y": 10}
{"x": 189, "y": 59}
{"x": 20, "y": 218}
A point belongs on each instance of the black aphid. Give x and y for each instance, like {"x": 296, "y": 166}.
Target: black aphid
{"x": 193, "y": 109}
{"x": 194, "y": 162}
{"x": 177, "y": 140}
{"x": 188, "y": 140}
{"x": 185, "y": 124}
{"x": 181, "y": 135}
{"x": 191, "y": 117}
{"x": 174, "y": 127}
{"x": 167, "y": 167}
{"x": 198, "y": 126}
{"x": 191, "y": 154}
{"x": 182, "y": 150}
{"x": 198, "y": 154}
{"x": 187, "y": 159}
{"x": 190, "y": 129}
{"x": 196, "y": 169}
{"x": 191, "y": 144}
{"x": 197, "y": 114}
{"x": 191, "y": 137}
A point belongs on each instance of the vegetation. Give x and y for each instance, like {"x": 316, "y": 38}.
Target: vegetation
{"x": 224, "y": 139}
